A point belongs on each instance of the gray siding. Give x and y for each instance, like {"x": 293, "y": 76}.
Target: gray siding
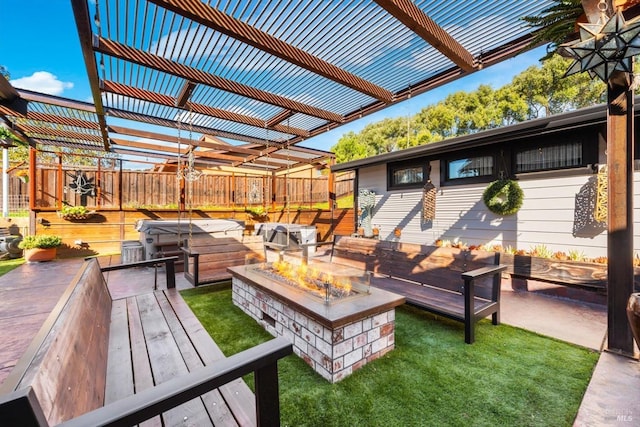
{"x": 554, "y": 213}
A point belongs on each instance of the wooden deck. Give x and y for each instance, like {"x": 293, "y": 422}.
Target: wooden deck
{"x": 29, "y": 293}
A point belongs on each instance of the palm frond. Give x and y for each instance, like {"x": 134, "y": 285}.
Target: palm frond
{"x": 556, "y": 24}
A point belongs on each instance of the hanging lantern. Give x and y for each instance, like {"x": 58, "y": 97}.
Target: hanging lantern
{"x": 605, "y": 46}
{"x": 189, "y": 172}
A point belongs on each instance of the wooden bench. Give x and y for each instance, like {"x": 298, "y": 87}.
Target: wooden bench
{"x": 458, "y": 284}
{"x": 207, "y": 257}
{"x": 99, "y": 361}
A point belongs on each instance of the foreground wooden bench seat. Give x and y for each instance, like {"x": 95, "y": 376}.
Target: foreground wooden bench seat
{"x": 458, "y": 284}
{"x": 98, "y": 361}
{"x": 206, "y": 258}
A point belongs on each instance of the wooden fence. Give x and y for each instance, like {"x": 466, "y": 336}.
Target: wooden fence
{"x": 108, "y": 188}
{"x": 104, "y": 232}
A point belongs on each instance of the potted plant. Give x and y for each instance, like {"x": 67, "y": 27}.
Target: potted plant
{"x": 40, "y": 248}
{"x": 69, "y": 212}
{"x": 258, "y": 214}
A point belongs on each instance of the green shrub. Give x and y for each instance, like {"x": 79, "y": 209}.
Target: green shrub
{"x": 42, "y": 241}
{"x": 74, "y": 210}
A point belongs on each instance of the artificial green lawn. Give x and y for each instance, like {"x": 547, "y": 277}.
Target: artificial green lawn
{"x": 7, "y": 265}
{"x": 508, "y": 377}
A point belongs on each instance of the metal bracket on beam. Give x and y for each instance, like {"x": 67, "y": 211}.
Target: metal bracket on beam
{"x": 185, "y": 93}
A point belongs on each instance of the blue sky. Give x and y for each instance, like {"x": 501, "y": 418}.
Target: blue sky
{"x": 39, "y": 46}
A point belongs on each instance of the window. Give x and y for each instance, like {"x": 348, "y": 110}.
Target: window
{"x": 407, "y": 175}
{"x": 549, "y": 157}
{"x": 469, "y": 169}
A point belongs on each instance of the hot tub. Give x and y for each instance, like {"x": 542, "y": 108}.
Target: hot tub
{"x": 156, "y": 234}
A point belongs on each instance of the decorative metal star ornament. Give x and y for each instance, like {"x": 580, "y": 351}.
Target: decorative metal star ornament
{"x": 605, "y": 47}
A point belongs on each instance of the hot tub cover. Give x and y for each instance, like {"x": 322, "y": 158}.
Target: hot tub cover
{"x": 149, "y": 226}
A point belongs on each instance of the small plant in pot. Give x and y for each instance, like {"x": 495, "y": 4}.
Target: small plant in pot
{"x": 258, "y": 214}
{"x": 69, "y": 212}
{"x": 41, "y": 247}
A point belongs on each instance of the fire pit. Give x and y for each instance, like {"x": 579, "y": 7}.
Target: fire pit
{"x": 334, "y": 330}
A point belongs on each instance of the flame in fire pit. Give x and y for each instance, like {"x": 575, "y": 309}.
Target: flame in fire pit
{"x": 309, "y": 279}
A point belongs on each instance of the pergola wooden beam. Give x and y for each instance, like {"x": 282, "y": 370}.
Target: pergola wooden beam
{"x": 168, "y": 138}
{"x": 298, "y": 165}
{"x": 10, "y": 100}
{"x": 174, "y": 150}
{"x": 259, "y": 151}
{"x": 57, "y": 101}
{"x": 156, "y": 155}
{"x": 417, "y": 21}
{"x": 212, "y": 18}
{"x": 83, "y": 24}
{"x": 61, "y": 120}
{"x": 280, "y": 117}
{"x": 165, "y": 156}
{"x": 146, "y": 59}
{"x": 166, "y": 149}
{"x": 159, "y": 121}
{"x": 166, "y": 100}
{"x": 39, "y": 130}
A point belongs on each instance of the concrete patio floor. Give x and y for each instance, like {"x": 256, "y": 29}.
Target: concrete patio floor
{"x": 612, "y": 398}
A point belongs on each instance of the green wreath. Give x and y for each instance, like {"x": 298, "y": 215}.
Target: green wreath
{"x": 503, "y": 197}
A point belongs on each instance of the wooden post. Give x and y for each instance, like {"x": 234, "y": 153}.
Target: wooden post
{"x": 620, "y": 210}
{"x": 59, "y": 187}
{"x": 332, "y": 197}
{"x": 311, "y": 188}
{"x": 32, "y": 179}
{"x": 232, "y": 189}
{"x": 273, "y": 191}
{"x": 99, "y": 184}
{"x": 356, "y": 184}
{"x": 182, "y": 196}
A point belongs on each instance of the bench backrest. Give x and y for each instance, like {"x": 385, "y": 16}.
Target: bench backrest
{"x": 227, "y": 251}
{"x": 66, "y": 363}
{"x": 431, "y": 265}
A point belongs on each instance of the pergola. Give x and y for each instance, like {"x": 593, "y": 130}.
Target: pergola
{"x": 260, "y": 77}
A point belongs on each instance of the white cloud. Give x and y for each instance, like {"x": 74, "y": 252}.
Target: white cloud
{"x": 42, "y": 81}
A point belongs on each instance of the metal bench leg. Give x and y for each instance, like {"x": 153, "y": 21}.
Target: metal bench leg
{"x": 495, "y": 317}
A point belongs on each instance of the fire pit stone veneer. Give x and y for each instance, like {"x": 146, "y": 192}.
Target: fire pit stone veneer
{"x": 334, "y": 339}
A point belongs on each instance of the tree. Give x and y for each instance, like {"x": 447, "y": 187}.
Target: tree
{"x": 547, "y": 91}
{"x": 512, "y": 107}
{"x": 349, "y": 148}
{"x": 5, "y": 72}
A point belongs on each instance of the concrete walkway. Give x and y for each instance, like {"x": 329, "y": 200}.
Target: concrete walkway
{"x": 613, "y": 395}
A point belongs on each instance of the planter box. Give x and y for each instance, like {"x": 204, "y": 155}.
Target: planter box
{"x": 39, "y": 254}
{"x": 585, "y": 275}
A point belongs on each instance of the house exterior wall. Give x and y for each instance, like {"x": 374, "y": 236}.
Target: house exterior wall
{"x": 555, "y": 213}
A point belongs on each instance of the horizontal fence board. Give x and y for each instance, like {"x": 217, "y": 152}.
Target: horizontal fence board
{"x": 107, "y": 235}
{"x": 111, "y": 188}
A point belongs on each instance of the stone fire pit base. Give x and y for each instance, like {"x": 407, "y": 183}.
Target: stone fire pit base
{"x": 335, "y": 348}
